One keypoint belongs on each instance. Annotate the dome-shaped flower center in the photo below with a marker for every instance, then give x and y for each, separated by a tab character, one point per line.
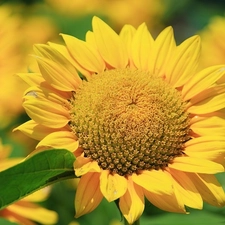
128	120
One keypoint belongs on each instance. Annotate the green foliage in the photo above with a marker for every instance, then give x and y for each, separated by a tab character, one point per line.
34	173
198	217
6	222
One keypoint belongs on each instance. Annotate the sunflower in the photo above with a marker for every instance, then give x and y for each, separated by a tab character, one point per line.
139	118
22	211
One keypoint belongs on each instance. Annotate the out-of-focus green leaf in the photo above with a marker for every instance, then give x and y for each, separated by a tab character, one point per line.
6	222
34	173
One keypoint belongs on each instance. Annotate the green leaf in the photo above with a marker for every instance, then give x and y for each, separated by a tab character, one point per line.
34	173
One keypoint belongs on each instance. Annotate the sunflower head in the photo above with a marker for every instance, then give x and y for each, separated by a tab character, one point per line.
140	125
139	118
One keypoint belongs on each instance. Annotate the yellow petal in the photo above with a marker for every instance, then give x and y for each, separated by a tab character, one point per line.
162	51
126	35
32	79
90	39
184	62
55	75
206	94
60	139
187	189
35	130
87	56
37	84
209	105
141	47
9	162
201	81
209	188
53	52
46	113
42	94
196	165
132	202
112	186
206	147
41	215
165	202
38	196
66	54
84	165
205	126
53	66
81	161
109	44
88	194
155	181
212	142
127	32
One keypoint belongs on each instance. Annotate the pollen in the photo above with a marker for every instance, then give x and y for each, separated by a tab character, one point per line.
129	120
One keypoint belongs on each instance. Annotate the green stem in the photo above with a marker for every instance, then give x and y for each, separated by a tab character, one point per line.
137	222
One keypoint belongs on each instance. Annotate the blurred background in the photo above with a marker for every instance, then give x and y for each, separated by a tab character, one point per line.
26	22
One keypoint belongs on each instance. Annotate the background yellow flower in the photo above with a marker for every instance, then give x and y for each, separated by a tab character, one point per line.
213	47
18	34
118	12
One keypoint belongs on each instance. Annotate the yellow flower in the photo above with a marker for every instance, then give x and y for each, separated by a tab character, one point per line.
17	37
10	58
26	210
141	121
133	12
213	35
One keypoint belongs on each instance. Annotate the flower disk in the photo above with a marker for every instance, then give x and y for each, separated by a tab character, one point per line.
129	120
